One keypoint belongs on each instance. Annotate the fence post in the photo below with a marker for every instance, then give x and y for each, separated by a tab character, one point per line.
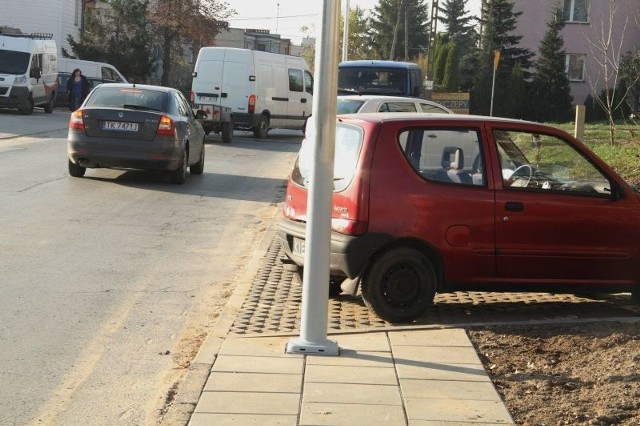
579	128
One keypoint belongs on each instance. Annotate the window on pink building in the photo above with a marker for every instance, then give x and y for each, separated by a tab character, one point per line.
575	66
576	10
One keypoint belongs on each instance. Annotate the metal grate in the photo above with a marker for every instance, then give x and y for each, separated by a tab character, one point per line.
273	305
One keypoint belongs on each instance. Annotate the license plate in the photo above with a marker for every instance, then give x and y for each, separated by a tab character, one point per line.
298	246
120	125
207	98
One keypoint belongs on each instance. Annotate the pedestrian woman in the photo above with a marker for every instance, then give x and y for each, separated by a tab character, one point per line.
77	89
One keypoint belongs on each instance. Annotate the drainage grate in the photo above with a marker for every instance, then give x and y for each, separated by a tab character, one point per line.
274	300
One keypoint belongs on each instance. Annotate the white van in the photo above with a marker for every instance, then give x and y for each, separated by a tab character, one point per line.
91	69
96	73
251	89
28	71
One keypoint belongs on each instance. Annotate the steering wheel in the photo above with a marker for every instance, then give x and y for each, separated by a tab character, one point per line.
521	176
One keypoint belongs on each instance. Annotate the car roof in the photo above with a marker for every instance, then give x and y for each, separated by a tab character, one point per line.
377	63
387	98
139	86
454	118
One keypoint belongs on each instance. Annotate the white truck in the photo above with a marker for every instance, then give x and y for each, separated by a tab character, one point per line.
28	71
251	90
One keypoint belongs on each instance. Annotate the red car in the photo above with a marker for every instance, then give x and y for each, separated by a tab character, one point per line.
429	203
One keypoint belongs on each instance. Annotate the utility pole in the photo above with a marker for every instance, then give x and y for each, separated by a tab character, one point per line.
433	29
345	34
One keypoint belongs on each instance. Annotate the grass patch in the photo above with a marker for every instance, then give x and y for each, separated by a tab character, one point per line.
623	156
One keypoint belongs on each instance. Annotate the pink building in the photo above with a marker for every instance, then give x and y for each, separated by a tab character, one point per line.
588	23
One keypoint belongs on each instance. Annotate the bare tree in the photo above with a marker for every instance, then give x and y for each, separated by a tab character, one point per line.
606	42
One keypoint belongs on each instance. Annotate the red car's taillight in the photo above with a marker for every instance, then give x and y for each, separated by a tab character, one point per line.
252	104
166	127
75	121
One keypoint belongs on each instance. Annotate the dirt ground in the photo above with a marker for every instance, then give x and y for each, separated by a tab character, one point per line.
578	374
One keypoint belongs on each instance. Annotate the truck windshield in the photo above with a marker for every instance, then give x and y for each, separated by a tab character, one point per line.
375	81
12	62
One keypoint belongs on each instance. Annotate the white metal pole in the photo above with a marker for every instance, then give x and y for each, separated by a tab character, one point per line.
345	34
315	280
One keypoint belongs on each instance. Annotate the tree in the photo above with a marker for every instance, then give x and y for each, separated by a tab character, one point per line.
460	29
605	43
408	20
499	23
182	27
118	35
359	44
630	75
550	82
451	79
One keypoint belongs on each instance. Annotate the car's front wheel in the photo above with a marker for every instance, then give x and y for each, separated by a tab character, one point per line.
76	170
179	175
399	285
27	109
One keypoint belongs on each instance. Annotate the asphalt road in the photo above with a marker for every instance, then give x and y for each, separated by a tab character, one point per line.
109	283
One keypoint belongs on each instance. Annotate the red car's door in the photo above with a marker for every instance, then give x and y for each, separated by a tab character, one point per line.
556	216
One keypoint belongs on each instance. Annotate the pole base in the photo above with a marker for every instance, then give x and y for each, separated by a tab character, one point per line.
300	346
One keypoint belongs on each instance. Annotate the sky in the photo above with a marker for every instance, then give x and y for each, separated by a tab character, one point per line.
287	17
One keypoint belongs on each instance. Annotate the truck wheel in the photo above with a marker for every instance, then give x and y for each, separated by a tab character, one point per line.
399	285
227	131
262	128
28	108
48	107
76	170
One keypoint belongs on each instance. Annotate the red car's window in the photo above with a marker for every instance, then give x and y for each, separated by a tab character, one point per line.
445	155
536	162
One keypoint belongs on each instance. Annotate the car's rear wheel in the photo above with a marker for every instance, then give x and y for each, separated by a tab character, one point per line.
399	285
48	107
227	131
76	170
261	129
198	168
179	175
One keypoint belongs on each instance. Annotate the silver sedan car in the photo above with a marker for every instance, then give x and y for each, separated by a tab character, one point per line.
140	127
351	104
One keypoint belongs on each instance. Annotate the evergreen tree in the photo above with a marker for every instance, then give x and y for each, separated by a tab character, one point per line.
460	30
119	36
359	44
459	25
388	19
551	90
442	49
451	81
499	23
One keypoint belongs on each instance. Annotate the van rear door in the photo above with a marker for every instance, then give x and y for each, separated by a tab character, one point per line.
237	77
207	85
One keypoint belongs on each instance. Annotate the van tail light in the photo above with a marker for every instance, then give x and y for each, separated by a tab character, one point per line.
348	227
252	104
193	96
166	127
76	122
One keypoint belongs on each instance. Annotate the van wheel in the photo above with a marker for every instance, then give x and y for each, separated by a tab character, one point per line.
76	170
227	131
262	128
48	107
399	285
28	108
